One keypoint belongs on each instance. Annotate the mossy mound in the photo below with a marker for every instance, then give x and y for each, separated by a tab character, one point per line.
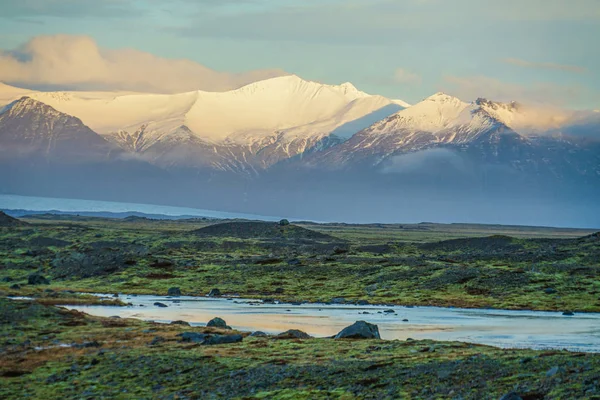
262	230
8	221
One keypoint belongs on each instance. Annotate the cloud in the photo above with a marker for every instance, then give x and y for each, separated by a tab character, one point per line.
472	87
426	162
404	76
76	62
545	65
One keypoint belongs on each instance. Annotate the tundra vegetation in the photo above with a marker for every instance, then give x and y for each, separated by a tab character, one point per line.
49	352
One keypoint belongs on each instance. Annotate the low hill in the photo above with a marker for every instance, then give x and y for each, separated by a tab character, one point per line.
8	221
262	230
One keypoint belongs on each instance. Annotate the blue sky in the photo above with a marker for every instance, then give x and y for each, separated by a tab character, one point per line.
528	50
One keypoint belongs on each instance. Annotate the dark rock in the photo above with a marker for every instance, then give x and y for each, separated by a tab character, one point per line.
174	291
293	334
115	295
15	287
339	250
511	396
159	304
184	323
338	300
389	311
223	339
359	330
218	323
568	313
363	303
258	334
157	340
214	293
269	300
279	290
37	279
404	320
284	222
194	337
554	371
549	291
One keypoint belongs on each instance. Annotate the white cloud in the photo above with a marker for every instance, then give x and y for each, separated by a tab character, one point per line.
77	62
407	77
472	87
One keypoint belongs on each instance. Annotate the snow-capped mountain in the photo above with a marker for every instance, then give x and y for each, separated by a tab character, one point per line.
485	132
247	129
31	129
290	121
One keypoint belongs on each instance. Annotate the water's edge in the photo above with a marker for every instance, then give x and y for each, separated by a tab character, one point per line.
500	328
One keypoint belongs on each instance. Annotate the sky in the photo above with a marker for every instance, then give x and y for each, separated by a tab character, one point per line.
541	51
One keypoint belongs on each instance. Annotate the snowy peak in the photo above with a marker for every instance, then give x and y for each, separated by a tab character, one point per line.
430	115
25	106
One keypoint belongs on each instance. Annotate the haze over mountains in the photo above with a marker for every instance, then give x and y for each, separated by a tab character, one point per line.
321	151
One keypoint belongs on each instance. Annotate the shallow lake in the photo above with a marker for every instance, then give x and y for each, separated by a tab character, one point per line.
501	328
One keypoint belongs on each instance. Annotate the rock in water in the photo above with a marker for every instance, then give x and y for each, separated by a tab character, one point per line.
218	323
359	330
258	334
214	293
174	291
37	279
158	304
293	334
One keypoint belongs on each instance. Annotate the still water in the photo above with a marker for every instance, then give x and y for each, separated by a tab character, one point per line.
501	328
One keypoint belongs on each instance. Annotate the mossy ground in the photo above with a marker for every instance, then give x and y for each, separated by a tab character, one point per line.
121	358
391	264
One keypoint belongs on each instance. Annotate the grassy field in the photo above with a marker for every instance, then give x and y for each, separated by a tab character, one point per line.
48	352
422	264
51	353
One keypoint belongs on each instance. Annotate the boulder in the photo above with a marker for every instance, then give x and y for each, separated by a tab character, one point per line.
359	330
390	311
15	287
284	222
159	304
258	334
549	290
214	293
362	303
338	300
223	339
174	291
37	279
184	323
218	323
568	313
293	334
193	337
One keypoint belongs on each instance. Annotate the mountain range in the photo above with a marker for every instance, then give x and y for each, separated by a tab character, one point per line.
271	133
